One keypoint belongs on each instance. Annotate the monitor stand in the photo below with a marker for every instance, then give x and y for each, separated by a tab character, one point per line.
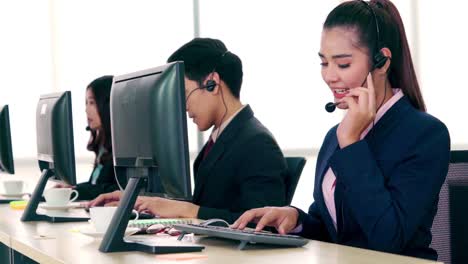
113	239
30	213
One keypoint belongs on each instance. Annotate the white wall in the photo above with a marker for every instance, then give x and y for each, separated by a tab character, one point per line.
25	67
95	38
443	66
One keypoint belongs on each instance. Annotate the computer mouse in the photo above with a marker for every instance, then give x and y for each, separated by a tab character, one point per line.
144	215
173	232
156	228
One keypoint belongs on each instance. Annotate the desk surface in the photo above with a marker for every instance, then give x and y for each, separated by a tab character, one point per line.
61	245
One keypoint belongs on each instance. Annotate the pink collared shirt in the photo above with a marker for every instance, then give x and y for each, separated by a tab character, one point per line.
328	184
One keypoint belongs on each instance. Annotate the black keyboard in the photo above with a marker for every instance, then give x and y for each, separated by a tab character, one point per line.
244	236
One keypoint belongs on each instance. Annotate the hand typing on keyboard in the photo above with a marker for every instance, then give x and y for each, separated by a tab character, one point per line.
284	219
244	236
221	224
167	208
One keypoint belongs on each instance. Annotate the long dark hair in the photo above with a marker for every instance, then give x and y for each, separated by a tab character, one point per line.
357	16
101	88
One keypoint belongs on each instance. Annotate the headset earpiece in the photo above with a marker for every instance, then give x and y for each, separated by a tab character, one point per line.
379	60
210	85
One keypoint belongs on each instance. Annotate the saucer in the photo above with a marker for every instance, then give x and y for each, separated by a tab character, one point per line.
60	207
12	195
91	231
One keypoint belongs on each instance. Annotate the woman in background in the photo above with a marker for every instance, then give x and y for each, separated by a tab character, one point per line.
102	179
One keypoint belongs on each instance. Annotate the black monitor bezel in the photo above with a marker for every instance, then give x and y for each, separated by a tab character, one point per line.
6	151
62	160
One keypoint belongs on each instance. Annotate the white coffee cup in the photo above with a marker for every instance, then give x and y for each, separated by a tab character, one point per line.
101	217
13	187
59	196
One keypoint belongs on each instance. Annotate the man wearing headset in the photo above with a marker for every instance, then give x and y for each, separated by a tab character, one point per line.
241	166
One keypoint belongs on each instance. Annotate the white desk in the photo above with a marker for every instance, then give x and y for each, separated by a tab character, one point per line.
61	245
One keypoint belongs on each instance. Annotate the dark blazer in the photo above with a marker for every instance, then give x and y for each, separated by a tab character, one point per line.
387	184
245	169
105	183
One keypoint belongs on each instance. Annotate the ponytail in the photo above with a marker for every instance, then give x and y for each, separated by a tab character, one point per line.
402	73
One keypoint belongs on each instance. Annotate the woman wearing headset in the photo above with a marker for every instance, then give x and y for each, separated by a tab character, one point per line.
380	170
102	179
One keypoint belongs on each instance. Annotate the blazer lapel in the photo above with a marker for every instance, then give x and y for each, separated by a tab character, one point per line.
389	120
203	167
382	127
324	166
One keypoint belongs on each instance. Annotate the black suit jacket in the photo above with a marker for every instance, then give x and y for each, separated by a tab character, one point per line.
245	169
105	183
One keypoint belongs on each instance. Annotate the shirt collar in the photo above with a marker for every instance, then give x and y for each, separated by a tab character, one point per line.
397	95
217	132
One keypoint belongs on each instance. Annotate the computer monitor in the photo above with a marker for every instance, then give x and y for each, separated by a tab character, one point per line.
149	129
55	150
6	151
54	133
150	144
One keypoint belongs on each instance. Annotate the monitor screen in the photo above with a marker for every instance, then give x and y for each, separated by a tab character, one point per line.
6	152
149	128
55	146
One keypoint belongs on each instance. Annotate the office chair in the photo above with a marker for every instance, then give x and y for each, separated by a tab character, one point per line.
295	167
446	237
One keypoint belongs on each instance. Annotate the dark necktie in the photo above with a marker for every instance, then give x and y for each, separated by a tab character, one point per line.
208	147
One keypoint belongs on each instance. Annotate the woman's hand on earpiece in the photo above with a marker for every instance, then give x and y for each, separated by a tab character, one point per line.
361	113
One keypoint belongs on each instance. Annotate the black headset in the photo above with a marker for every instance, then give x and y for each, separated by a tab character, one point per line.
379	59
211	84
